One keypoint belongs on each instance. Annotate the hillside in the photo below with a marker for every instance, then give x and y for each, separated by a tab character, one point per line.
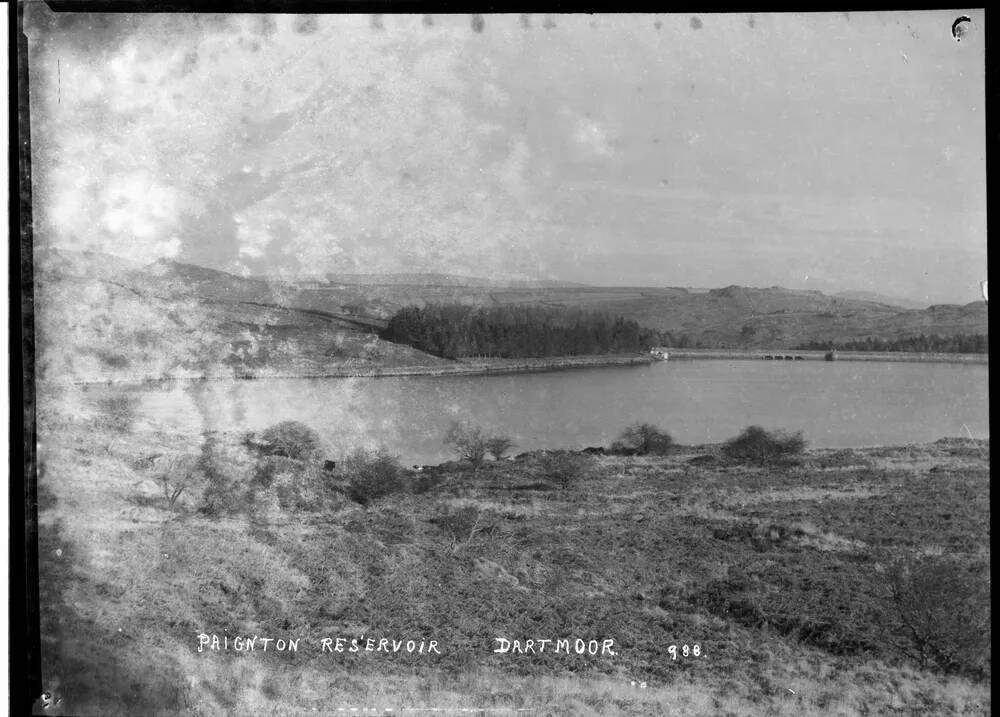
783	318
881	299
442	280
102	316
733	317
98	318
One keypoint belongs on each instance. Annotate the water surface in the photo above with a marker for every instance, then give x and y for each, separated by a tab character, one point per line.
838	404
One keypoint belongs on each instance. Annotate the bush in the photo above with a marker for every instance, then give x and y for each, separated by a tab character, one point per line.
642	439
468	441
174	474
620	448
270	468
563	468
498	446
242	473
372	475
295	484
945	612
228	468
290	439
755	445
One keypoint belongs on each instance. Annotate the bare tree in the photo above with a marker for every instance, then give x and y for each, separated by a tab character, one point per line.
372	475
468	441
644	438
944	609
758	446
173	474
564	469
498	446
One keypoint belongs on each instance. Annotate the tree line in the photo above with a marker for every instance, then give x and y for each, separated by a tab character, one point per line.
959	344
516	331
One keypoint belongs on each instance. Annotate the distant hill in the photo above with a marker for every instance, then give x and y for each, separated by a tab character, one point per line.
782	318
881	299
423	279
426	279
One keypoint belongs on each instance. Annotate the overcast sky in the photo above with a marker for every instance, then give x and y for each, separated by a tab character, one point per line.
826	151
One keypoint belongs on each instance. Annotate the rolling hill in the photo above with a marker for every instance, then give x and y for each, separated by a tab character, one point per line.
881	299
108	314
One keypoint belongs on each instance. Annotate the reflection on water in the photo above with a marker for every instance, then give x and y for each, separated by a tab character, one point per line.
835	404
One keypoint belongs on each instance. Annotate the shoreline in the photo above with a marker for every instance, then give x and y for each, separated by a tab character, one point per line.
713	450
499	367
792	354
492	367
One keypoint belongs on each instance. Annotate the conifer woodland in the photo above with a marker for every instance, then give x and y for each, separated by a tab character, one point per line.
516	331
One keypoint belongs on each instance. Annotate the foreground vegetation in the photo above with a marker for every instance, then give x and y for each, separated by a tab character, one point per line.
804	580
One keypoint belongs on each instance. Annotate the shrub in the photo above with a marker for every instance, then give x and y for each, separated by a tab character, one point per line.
468	441
643	439
228	468
755	445
498	446
174	474
945	612
270	468
293	483
372	475
290	439
620	448
287	484
564	468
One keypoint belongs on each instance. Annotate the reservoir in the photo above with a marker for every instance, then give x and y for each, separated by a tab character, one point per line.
835	404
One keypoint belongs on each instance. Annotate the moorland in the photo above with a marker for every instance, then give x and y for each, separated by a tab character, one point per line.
822	582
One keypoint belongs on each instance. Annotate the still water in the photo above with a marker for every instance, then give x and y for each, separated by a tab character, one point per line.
836	404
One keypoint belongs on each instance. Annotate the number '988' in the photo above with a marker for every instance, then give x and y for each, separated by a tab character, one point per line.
684	651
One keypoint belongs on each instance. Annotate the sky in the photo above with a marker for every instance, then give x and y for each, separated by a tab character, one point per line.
827	151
